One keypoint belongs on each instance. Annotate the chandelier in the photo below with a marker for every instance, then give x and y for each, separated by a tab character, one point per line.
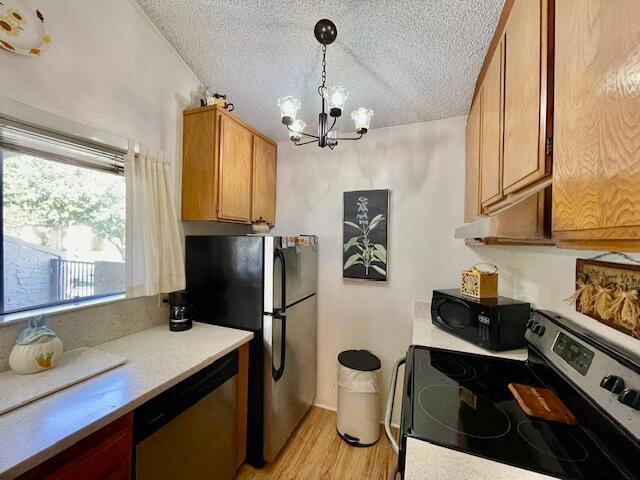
333	99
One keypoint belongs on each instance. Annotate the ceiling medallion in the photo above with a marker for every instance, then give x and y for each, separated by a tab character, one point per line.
333	98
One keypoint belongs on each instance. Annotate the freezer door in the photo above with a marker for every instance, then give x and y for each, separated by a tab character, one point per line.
301	264
290	374
225	280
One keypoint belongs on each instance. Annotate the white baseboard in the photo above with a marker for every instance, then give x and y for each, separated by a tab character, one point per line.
324	407
333	409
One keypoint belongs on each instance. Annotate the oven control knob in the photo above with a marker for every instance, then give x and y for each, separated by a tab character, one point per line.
538	329
612	383
631	398
530	324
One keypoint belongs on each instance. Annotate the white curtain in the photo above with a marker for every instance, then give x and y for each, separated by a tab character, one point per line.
154	259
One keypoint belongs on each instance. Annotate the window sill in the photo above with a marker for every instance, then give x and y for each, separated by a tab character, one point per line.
56	309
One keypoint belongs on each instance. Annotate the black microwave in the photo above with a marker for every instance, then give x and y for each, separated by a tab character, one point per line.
493	323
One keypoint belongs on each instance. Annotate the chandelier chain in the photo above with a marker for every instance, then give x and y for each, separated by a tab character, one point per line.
324	65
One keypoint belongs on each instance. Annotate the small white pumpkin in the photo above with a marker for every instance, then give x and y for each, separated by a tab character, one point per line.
37	348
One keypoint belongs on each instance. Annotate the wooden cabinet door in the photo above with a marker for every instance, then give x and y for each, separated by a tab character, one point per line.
105	454
596	179
472	161
491	135
264	181
523	161
199	194
234	170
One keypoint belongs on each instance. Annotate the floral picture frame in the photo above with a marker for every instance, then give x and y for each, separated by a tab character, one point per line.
365	235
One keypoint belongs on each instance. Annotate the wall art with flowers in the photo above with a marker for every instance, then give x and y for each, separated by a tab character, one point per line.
365	229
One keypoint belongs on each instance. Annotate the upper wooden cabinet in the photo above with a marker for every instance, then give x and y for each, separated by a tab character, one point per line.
515	85
472	162
234	170
228	169
526	159
570	100
596	178
264	181
491	136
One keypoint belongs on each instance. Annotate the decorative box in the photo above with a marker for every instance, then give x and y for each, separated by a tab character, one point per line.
479	283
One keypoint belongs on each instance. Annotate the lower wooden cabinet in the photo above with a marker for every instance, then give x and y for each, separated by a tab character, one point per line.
103	455
596	177
228	169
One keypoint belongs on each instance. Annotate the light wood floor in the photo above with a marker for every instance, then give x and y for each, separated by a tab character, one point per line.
315	452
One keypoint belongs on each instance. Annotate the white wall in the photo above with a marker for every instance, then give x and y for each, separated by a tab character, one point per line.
545	276
423	165
109	68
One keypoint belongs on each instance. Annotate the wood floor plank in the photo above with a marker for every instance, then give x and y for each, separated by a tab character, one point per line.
315	452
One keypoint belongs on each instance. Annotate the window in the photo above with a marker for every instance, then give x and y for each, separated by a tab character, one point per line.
63	220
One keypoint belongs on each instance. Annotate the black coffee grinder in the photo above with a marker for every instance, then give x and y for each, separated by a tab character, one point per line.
179	312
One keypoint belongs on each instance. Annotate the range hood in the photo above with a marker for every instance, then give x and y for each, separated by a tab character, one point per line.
525	220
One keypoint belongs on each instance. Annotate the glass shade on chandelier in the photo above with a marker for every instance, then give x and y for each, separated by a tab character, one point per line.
336	98
332	137
333	100
362	119
289	107
296	128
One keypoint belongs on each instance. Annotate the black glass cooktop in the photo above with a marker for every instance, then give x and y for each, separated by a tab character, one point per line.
462	401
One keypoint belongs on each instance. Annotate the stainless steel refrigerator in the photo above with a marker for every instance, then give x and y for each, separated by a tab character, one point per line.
266	285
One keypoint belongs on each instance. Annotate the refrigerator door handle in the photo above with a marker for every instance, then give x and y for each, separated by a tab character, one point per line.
281	314
277	373
283	280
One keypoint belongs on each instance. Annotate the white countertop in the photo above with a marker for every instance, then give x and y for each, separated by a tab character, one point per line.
157	359
426	333
426	461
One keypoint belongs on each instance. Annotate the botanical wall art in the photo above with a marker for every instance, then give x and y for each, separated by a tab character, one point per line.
366	218
22	28
609	292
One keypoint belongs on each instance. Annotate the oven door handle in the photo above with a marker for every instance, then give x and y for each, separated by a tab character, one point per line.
390	398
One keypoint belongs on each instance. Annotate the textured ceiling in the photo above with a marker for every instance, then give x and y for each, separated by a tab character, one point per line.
410	61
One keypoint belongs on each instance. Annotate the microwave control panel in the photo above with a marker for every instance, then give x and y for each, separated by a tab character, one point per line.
484	330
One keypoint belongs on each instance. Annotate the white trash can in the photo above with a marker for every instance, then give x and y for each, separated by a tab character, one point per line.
358	419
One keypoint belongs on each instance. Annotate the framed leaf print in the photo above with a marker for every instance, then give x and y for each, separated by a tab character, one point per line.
365	229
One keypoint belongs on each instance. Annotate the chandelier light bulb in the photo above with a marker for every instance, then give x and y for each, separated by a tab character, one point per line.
362	119
336	98
298	127
289	107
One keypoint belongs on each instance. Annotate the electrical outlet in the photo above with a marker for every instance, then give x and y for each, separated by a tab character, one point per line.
421	309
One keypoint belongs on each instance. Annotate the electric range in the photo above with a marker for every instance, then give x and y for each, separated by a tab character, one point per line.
462	401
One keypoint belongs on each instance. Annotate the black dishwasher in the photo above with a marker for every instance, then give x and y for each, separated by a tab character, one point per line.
189	431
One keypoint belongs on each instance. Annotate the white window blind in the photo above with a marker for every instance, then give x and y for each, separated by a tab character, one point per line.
58	147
